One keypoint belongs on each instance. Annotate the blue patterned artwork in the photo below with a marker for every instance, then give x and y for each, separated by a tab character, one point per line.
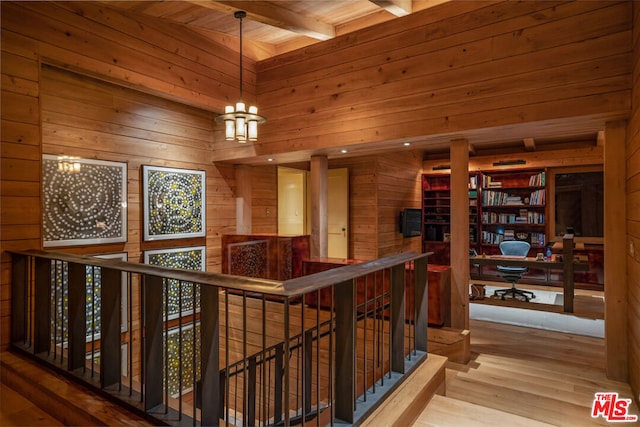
84	201
179	294
174	203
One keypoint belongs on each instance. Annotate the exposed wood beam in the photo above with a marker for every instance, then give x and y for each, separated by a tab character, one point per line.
271	14
529	144
600	141
472	150
395	7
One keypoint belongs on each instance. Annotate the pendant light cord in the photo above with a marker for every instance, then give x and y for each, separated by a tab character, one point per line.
240	14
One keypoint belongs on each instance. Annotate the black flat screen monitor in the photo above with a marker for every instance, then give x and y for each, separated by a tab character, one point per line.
411	222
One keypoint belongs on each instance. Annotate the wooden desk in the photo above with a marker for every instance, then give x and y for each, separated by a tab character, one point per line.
529	262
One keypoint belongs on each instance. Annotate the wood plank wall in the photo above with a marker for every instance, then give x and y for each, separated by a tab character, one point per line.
633	214
399	186
158	59
264	196
490	64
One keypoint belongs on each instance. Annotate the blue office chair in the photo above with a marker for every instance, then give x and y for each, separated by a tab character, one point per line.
513	274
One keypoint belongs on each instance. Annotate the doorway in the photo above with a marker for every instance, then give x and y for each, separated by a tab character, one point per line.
294	207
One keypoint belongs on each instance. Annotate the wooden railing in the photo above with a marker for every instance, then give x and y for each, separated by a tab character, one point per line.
195	348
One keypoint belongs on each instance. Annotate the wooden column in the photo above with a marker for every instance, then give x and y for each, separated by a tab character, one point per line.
615	258
460	234
319	195
243	199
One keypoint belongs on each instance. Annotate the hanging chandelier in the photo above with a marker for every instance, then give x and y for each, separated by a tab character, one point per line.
240	123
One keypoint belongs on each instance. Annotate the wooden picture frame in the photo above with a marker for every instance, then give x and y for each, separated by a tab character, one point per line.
173	203
84	201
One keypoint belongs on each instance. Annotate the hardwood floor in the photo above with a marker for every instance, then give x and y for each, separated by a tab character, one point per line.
524	376
16	410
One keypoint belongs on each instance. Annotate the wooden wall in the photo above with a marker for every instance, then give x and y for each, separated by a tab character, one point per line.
399	186
157	59
456	67
633	214
264	192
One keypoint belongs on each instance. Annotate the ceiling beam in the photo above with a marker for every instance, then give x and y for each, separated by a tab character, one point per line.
529	144
472	149
271	14
395	7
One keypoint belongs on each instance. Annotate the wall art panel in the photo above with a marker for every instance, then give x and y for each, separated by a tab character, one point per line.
176	293
85	201
174	203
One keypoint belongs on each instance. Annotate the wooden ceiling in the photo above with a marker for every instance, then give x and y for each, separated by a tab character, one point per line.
277	26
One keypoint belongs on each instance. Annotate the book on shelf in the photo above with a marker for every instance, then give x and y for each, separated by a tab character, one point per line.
537	180
537	239
473	182
537	197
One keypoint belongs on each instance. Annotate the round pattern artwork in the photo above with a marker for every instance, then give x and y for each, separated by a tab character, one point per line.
175	203
86	204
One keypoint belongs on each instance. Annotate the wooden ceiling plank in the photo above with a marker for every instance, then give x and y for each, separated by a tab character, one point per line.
276	16
529	144
395	7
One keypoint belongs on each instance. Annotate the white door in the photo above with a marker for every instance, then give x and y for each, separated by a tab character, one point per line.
338	213
292	217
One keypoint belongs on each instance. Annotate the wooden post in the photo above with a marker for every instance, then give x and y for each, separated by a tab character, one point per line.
42	306
567	272
420	313
153	345
460	234
212	397
77	329
319	240
615	257
244	203
111	297
345	336
397	326
19	297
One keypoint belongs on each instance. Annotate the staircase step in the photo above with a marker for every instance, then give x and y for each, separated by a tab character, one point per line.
66	401
406	403
444	411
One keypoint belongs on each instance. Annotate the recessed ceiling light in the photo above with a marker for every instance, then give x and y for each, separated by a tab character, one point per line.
406	144
269	160
343	151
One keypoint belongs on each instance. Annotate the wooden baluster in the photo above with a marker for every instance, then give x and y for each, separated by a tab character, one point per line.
212	384
420	314
77	329
110	302
153	348
397	325
345	318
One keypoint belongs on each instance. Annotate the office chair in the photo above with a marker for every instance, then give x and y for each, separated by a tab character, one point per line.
513	274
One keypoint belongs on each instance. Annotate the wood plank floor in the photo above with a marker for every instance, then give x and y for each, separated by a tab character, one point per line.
524	376
17	410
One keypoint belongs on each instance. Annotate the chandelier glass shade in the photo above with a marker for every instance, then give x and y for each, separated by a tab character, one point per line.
240	123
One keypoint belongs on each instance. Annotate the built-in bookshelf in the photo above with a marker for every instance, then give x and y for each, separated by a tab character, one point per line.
513	208
436	215
503	205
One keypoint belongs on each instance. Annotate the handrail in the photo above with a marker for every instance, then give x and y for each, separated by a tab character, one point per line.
257	347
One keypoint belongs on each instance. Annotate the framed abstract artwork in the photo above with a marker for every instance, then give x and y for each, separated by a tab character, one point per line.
179	297
174	203
84	201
